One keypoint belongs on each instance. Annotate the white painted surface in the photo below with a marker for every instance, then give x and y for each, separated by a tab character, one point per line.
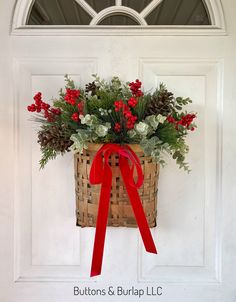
196	225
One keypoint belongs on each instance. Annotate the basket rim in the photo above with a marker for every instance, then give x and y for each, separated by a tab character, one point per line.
96	147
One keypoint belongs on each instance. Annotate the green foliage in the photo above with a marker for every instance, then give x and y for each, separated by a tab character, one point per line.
167	133
93	117
140	109
69	82
67	111
181	102
106	95
47	154
179	151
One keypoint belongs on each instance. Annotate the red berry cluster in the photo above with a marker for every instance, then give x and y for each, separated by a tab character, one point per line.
135	88
130	119
132	102
39	106
131	122
118	105
71	96
117	127
75	117
185	121
80	107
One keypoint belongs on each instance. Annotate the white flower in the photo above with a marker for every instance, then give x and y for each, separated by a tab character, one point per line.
80	141
131	133
88	119
155	120
85	119
161	118
142	128
104	111
108	125
101	130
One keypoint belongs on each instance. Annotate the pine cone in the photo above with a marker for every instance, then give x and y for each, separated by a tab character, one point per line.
161	102
91	87
54	138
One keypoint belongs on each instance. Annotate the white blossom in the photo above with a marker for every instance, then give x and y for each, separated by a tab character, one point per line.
88	119
131	133
161	118
155	120
142	128
101	130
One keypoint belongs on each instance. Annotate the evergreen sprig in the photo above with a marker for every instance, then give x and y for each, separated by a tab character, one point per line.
47	154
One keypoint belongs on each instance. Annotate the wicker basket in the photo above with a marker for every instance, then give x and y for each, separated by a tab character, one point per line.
120	211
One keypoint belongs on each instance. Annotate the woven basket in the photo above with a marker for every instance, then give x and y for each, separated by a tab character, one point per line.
120	211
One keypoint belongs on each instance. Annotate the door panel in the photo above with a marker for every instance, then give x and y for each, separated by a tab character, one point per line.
48	246
189	251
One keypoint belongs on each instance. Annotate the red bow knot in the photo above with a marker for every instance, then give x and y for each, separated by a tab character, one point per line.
101	173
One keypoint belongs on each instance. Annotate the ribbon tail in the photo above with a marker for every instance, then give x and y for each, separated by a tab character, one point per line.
137	207
101	224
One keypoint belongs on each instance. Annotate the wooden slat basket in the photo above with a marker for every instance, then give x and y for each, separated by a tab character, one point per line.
120	211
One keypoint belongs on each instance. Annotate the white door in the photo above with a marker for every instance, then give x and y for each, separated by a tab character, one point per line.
43	255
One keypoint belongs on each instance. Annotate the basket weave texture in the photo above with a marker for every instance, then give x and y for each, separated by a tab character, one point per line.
120	210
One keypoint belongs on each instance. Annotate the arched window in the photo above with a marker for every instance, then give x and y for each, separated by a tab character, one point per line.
118	12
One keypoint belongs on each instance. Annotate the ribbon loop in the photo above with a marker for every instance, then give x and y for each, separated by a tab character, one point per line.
101	173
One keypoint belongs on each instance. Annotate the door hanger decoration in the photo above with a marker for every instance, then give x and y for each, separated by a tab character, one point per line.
120	136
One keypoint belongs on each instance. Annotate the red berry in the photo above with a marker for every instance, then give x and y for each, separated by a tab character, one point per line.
80	106
33	107
117	127
135	88
118	105
75	117
132	102
38	96
71	96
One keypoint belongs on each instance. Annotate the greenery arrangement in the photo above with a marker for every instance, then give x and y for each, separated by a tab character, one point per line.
114	112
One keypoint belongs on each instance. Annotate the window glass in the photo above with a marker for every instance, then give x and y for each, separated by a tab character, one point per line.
179	12
71	12
99	5
137	5
58	12
118	20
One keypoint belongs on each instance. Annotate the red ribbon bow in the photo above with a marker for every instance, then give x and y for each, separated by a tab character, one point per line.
101	173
